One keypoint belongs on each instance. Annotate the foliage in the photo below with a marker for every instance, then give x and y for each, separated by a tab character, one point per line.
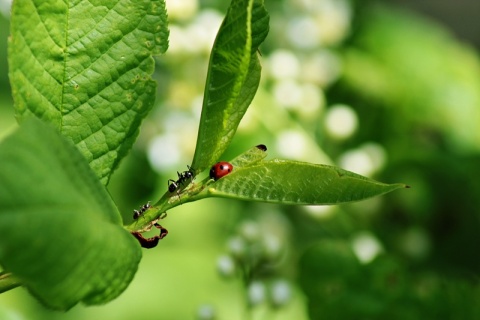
405	255
95	92
94	83
61	251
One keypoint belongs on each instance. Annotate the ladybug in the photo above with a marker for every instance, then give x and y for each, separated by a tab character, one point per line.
220	169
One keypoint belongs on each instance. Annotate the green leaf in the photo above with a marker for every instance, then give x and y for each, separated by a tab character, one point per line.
233	78
291	182
85	67
60	232
190	192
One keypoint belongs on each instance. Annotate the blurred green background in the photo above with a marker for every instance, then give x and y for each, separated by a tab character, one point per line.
366	85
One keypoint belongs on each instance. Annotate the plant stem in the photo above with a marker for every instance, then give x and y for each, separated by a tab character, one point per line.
167	201
8	282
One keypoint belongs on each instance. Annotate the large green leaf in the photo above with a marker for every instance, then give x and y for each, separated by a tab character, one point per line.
292	182
233	78
85	67
60	232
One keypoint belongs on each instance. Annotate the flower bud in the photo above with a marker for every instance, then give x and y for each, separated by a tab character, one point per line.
226	266
281	293
206	312
237	247
256	293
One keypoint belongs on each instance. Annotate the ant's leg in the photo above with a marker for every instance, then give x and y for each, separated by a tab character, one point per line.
180	176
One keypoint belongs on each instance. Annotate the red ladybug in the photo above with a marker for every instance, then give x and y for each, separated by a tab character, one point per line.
220	169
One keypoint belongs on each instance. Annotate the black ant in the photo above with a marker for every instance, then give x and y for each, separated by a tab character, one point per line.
138	213
182	178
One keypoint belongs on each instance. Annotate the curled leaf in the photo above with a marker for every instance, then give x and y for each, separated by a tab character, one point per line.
232	81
